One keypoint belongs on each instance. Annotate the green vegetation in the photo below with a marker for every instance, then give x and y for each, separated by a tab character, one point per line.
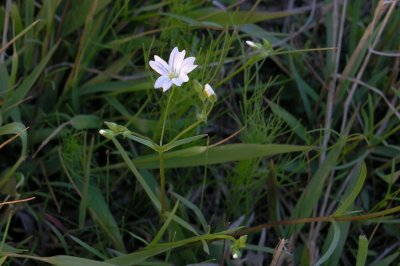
294	161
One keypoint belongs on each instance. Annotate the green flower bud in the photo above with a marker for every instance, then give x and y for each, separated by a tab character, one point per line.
109	134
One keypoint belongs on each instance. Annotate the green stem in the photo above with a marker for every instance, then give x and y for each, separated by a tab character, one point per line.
162	185
191	126
186	130
165	116
162	172
6	230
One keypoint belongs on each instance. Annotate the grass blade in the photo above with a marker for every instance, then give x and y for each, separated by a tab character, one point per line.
354	191
332	247
362	251
200	155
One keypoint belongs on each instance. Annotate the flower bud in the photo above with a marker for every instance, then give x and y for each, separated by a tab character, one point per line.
254	45
197	86
210	93
106	133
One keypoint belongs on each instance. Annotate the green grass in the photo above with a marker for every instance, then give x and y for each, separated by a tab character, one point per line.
301	144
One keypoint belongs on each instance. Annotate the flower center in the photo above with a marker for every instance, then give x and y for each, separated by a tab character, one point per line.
173	75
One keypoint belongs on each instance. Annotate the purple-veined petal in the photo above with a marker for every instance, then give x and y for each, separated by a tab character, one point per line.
161	81
177	81
172	57
158	67
162	62
178	61
187	65
167	85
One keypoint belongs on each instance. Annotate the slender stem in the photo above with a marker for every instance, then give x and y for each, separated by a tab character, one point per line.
204	177
183	132
186	130
161	154
165	116
329	218
6	230
162	185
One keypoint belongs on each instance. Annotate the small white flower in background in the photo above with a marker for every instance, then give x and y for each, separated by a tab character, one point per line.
251	44
175	72
210	93
254	45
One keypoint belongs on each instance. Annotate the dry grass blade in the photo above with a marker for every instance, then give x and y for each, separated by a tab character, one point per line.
13	138
16	201
280	253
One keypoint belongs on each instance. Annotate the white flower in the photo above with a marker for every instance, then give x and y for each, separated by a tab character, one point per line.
175	72
254	45
251	44
210	93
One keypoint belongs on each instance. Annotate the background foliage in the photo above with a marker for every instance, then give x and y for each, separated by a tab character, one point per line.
324	76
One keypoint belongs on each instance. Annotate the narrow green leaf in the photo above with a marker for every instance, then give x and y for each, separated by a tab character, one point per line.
137	174
76	16
2	260
195	156
362	251
332	246
102	215
199	216
88	247
21	91
142	255
10	249
63	260
164	227
194	208
354	191
116	87
225	18
305	91
14	129
387	261
177	143
146	142
311	195
22	33
334	259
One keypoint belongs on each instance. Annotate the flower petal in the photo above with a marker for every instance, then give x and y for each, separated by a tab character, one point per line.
183	77
177	81
172	57
187	65
178	61
162	62
158	66
167	85
162	82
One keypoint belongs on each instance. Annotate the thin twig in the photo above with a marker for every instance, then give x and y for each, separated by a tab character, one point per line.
16	201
